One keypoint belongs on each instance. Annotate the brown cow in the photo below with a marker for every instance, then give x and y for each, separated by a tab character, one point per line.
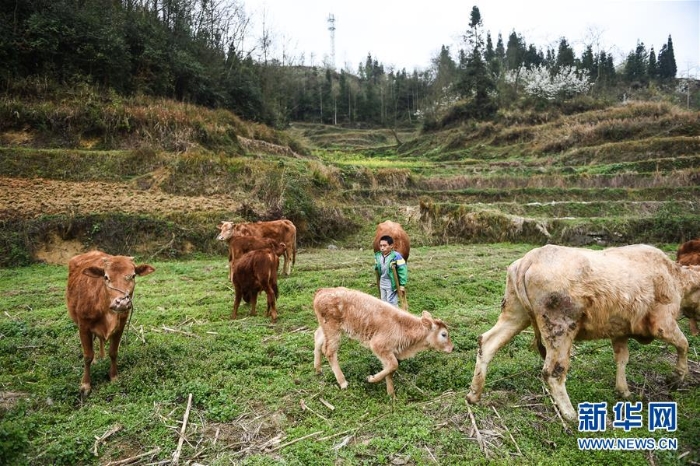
689	254
391	333
401	242
254	272
569	294
99	298
239	245
282	231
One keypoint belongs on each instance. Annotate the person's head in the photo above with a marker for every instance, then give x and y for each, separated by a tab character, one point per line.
386	244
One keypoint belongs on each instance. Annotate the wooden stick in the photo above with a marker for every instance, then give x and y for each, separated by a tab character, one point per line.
174	330
507	430
98	440
279	447
176	455
155	451
327	404
479	439
304	408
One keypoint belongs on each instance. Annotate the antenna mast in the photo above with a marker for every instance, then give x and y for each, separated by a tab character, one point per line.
331	28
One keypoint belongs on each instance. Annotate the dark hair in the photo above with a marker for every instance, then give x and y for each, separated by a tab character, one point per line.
387	238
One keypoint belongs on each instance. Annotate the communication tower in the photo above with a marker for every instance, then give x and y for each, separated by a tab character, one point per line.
331	28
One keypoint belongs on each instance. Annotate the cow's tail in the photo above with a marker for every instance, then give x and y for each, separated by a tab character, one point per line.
294	249
517	275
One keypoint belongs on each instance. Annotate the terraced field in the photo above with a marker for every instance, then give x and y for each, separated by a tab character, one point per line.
622	175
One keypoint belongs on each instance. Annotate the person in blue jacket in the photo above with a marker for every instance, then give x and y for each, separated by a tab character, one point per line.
391	271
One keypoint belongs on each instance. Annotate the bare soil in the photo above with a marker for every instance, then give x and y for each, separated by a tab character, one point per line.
30	198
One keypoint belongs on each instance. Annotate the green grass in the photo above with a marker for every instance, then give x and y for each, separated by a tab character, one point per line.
256	399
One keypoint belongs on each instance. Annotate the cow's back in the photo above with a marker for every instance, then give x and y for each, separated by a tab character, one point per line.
402	243
357	312
626	282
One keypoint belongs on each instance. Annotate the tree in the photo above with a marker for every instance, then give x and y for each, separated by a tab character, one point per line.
565	55
637	64
667	61
652	67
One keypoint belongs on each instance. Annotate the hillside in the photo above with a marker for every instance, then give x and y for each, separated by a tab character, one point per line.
154	177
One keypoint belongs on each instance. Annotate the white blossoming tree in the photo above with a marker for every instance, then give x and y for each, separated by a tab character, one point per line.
540	83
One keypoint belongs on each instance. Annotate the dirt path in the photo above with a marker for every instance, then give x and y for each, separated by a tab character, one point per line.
28	198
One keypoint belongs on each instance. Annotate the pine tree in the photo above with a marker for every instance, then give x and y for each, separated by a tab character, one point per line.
565	55
667	61
515	51
652	67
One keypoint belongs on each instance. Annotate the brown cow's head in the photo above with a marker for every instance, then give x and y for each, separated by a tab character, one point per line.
225	231
119	273
438	338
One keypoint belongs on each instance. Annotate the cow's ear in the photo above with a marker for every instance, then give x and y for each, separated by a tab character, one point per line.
94	272
427	319
144	269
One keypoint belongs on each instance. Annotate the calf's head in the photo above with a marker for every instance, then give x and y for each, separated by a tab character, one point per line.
690	304
225	231
438	336
118	275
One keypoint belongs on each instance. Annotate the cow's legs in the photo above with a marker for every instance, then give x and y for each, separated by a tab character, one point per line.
622	356
671	333
287	266
236	303
113	350
389	366
513	320
253	302
330	349
86	340
556	366
319	340
271	306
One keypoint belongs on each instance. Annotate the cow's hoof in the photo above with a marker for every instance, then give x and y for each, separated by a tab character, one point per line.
473	397
343	385
85	390
675	380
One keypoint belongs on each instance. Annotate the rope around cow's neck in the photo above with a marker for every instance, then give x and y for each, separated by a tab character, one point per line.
128	322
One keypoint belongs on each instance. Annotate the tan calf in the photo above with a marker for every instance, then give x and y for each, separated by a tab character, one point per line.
391	333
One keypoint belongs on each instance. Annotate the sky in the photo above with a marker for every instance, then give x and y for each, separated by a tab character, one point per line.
409	33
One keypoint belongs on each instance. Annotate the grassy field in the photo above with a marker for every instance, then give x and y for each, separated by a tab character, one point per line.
256	400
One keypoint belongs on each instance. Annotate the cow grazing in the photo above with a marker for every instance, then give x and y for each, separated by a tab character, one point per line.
569	294
281	231
254	272
391	333
99	298
401	242
689	254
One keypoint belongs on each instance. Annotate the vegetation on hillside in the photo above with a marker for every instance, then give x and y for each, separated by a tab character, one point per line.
193	51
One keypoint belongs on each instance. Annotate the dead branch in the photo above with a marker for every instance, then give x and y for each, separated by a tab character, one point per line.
181	332
103	437
304	408
279	447
176	455
479	439
327	404
508	430
133	459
